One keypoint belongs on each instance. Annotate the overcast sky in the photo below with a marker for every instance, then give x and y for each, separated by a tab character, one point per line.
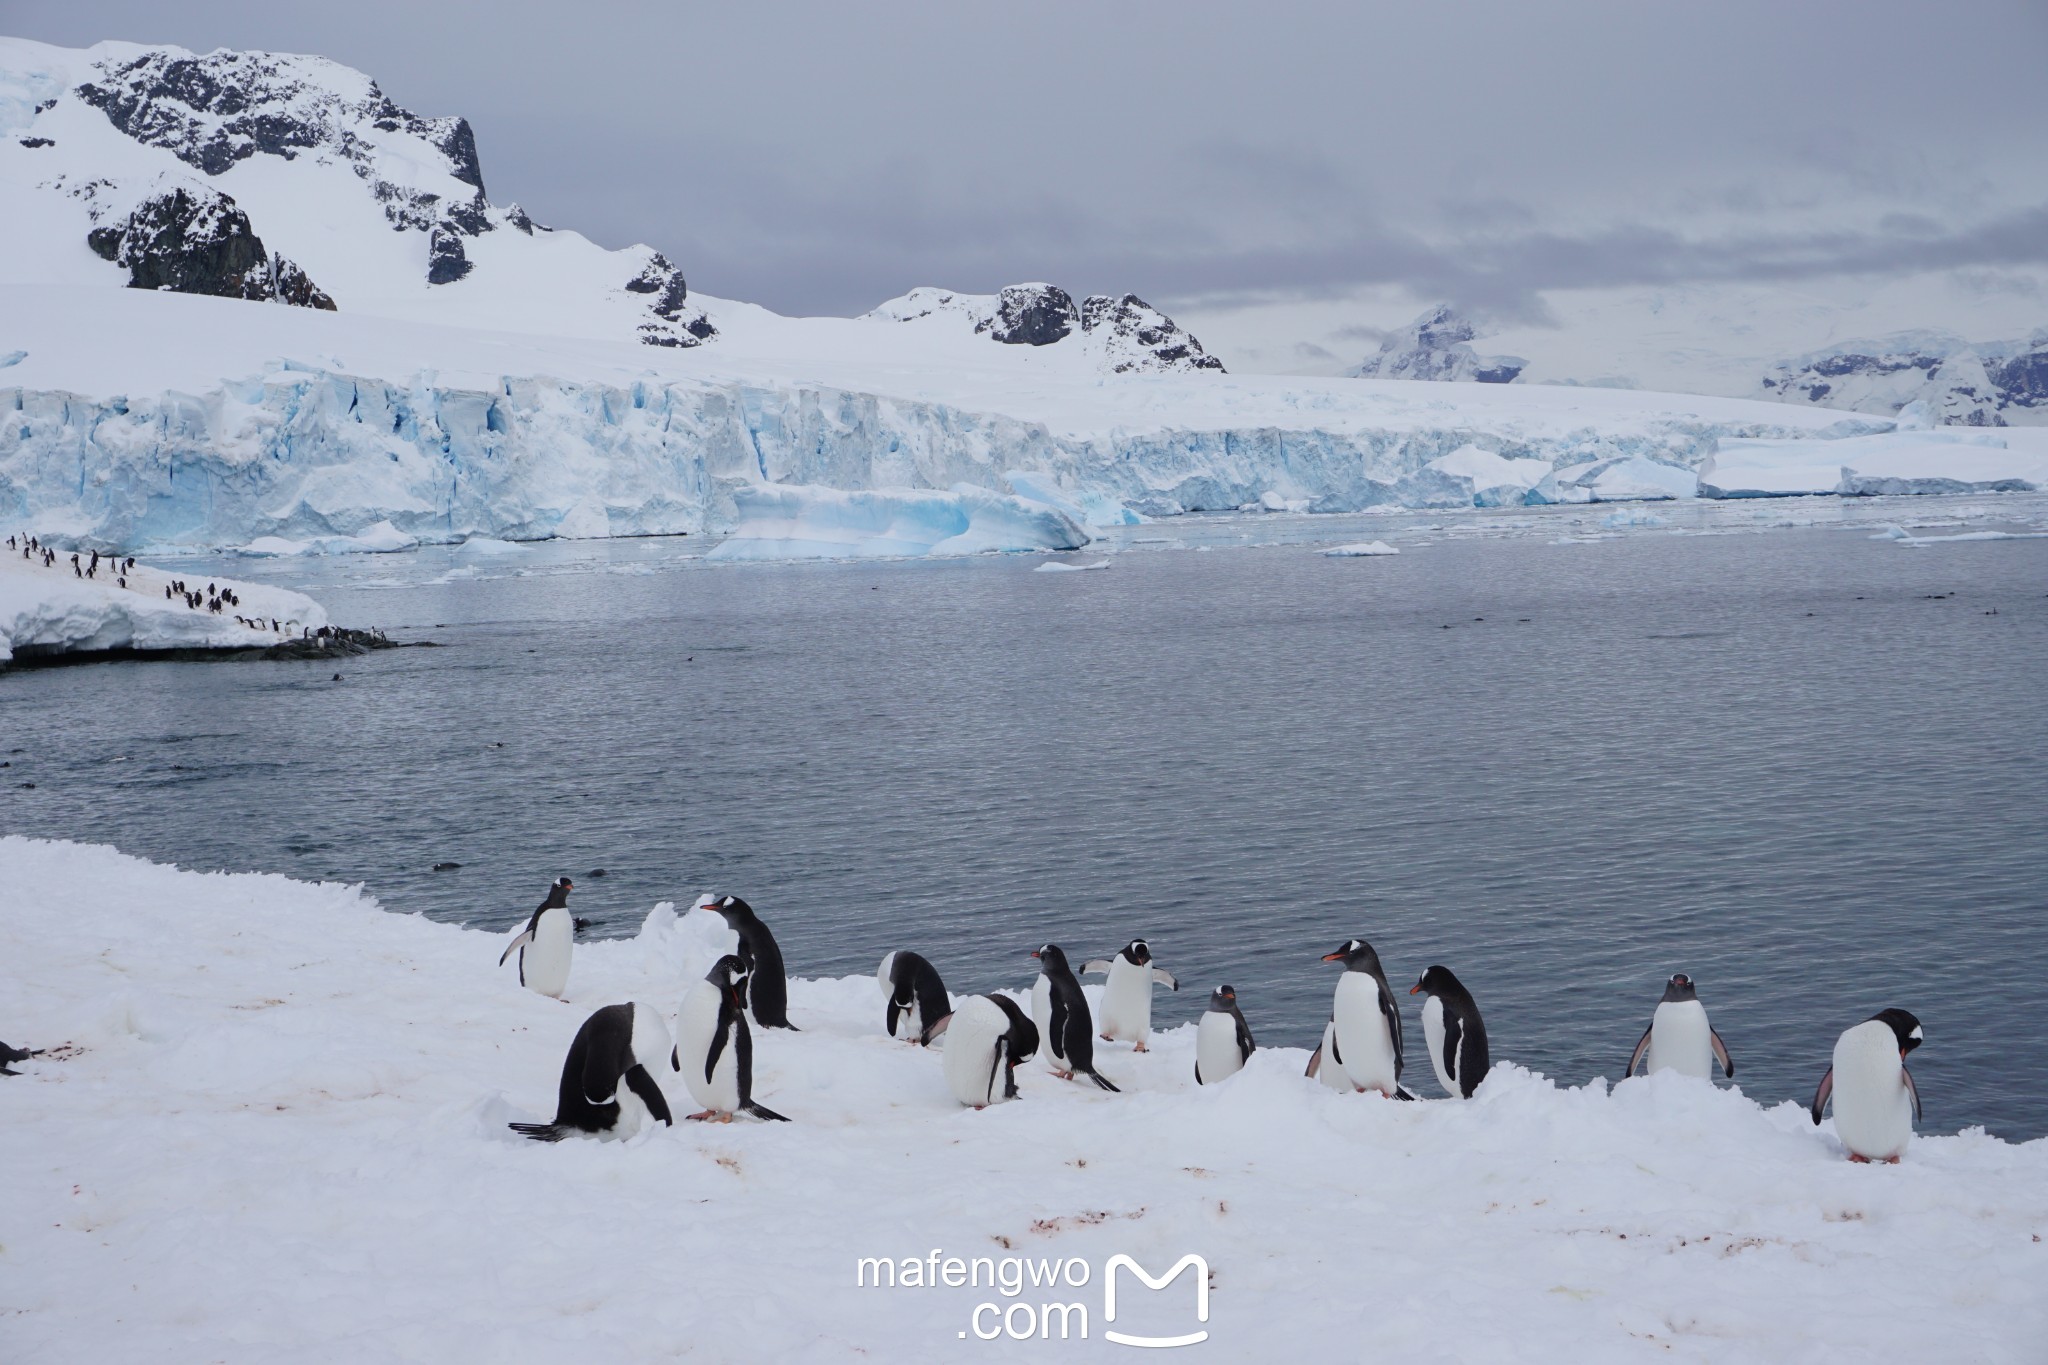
822	156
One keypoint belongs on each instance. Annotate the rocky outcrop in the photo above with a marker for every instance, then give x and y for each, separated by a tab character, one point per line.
1437	346
194	240
1134	337
1961	383
1031	315
675	322
1127	334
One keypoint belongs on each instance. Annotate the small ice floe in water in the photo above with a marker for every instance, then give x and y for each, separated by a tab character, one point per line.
1634	516
1063	567
1360	549
1916	542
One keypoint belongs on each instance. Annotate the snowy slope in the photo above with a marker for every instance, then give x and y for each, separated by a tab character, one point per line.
278	1131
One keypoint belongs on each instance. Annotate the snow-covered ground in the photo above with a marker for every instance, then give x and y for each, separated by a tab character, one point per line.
274	1128
51	609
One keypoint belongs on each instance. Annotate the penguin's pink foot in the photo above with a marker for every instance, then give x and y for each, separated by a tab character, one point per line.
709	1115
1859	1158
1142	1048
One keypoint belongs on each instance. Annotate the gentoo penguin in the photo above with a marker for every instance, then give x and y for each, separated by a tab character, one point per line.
1679	1037
1222	1042
985	1039
1875	1098
1069	1032
1127	998
917	998
767	989
1365	1020
545	946
10	1055
714	1048
615	1044
1454	1033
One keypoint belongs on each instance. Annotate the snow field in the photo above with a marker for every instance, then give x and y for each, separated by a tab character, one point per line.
281	1134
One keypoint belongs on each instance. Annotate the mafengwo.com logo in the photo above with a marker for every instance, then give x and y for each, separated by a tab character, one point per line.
1048	1299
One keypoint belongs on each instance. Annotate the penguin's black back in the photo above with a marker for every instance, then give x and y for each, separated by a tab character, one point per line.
600	1055
767	987
914	981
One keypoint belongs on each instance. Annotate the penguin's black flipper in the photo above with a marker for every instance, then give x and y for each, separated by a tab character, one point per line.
650	1094
1161	974
1914	1091
896	1008
1721	1054
762	1111
519	942
1827	1088
1099	964
1402	1092
1642	1046
1102	1081
1315	1062
540	1132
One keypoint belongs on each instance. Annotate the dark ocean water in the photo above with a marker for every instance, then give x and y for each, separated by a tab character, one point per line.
1778	761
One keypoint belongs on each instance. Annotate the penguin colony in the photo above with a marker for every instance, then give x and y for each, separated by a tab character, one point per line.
213	599
607	1088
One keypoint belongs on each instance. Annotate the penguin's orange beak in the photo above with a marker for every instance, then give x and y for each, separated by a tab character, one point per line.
1333	957
1413	989
1034	953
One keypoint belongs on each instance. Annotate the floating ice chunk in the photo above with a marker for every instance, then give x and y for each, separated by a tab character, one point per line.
1917	541
1060	566
1270	501
797	521
383	538
1633	517
488	545
1360	550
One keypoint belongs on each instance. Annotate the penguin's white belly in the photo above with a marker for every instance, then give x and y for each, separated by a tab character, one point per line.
696	1026
1331	1073
973	1061
1362	1034
544	963
1873	1109
1041	1015
1433	1039
1127	1002
1681	1040
1216	1054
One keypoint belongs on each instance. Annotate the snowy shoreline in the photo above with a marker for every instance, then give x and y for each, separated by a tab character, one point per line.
279	1128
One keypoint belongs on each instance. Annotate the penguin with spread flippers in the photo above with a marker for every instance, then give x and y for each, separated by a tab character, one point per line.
606	1085
1365	1022
1127	996
1223	1042
917	997
1454	1033
985	1039
544	947
1875	1099
714	1047
1069	1031
767	988
1679	1037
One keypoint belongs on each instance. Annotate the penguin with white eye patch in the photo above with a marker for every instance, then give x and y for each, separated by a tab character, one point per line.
1875	1098
1127	997
1455	1034
714	1047
1223	1042
1365	1023
545	946
1679	1037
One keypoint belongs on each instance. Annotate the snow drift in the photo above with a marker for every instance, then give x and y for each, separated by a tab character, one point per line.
274	1126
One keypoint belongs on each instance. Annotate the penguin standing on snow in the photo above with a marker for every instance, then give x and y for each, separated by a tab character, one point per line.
714	1048
1365	1038
767	987
1452	1029
1069	1032
1679	1037
917	998
1127	998
1875	1098
985	1039
545	946
1223	1044
615	1044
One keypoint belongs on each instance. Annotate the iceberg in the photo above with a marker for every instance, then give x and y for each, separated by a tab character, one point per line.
784	521
1911	460
1361	550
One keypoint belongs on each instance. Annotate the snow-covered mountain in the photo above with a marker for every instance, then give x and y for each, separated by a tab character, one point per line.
1124	335
1437	346
1964	383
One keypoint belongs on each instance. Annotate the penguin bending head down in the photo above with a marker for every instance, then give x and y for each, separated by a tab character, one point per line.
1223	1044
985	1039
1679	1037
1127	998
767	989
615	1044
1069	1032
1365	1037
917	998
10	1055
547	943
1452	1029
1875	1098
714	1048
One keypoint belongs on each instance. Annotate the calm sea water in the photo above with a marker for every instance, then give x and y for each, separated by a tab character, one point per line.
1800	764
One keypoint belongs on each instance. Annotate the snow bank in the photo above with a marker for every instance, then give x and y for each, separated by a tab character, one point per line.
53	611
282	1135
779	521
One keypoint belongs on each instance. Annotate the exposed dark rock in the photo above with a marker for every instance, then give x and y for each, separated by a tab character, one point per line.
197	241
290	284
447	262
665	282
1134	336
34	142
1032	315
